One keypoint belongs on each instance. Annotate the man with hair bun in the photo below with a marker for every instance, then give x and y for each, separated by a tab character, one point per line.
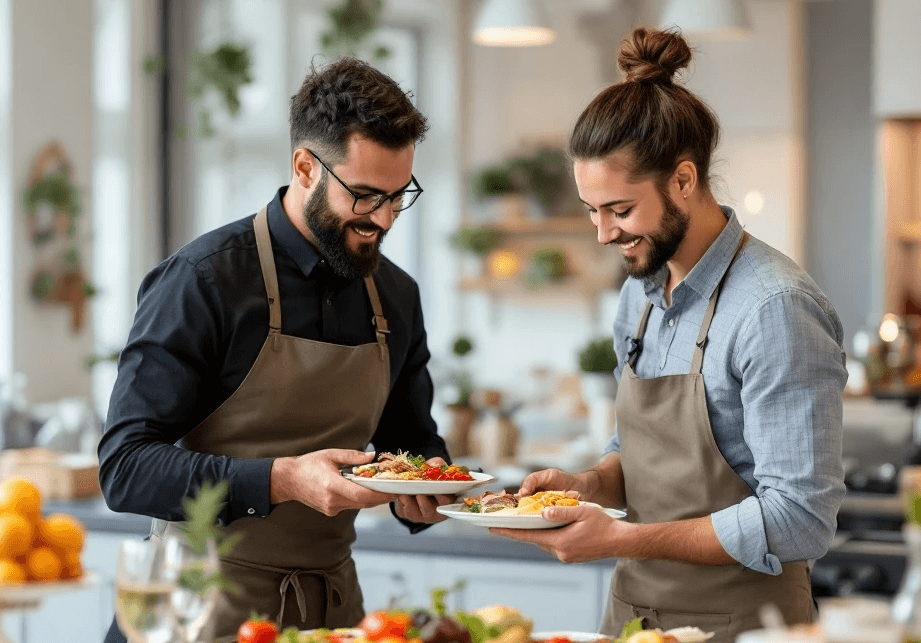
272	351
727	453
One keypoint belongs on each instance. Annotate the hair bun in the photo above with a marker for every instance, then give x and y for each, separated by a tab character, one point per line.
653	56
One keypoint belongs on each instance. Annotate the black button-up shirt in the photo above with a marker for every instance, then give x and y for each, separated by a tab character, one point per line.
202	318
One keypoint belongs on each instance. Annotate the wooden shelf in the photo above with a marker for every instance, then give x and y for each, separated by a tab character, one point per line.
577	284
547	226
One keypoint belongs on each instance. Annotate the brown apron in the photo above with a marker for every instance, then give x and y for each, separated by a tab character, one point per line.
673	470
299	396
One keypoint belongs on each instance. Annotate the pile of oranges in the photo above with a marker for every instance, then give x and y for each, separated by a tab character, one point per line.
32	547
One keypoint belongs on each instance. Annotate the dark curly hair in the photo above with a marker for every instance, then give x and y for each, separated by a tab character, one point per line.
349	96
657	120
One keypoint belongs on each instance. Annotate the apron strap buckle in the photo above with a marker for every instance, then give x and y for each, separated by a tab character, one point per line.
636	345
380	323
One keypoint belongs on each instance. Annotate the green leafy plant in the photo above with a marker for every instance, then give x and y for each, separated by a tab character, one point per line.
56	191
225	69
201	526
544	174
547	265
462	345
598	356
492	181
476	240
352	23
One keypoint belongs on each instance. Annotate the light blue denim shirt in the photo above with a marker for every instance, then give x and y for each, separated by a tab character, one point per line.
774	376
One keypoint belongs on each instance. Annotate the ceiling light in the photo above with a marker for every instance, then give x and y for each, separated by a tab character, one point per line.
512	23
708	19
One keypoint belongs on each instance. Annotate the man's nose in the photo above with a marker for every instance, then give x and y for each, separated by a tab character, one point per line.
608	230
384	215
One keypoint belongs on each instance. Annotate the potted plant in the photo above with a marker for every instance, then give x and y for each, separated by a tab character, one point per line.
498	190
545	175
597	361
547	265
463	413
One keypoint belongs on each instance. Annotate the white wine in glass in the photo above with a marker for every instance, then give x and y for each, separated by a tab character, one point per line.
143	589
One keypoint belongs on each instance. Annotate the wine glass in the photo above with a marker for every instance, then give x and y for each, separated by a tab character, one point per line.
143	588
195	594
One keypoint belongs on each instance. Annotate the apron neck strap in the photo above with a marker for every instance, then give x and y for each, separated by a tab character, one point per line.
267	262
378	321
698	360
636	342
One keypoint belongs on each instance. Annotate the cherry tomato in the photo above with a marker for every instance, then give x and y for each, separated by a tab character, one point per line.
433	474
257	631
381	625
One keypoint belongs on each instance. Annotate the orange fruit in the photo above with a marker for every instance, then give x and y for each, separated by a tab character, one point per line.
19	495
11	571
62	532
44	564
15	535
72	565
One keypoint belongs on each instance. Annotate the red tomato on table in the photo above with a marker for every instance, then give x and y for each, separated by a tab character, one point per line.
257	631
381	625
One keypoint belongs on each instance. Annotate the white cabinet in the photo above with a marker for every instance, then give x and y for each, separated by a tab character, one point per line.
896	58
554	595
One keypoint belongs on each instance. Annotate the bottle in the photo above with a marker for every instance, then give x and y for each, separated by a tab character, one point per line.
906	606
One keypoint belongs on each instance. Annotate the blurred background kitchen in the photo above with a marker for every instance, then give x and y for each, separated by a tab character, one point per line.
128	127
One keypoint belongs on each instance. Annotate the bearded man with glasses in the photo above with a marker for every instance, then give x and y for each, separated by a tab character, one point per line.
272	352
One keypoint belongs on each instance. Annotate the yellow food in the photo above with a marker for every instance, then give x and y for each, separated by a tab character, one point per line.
62	532
535	503
44	564
646	636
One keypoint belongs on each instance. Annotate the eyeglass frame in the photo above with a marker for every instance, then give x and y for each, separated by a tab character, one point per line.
381	198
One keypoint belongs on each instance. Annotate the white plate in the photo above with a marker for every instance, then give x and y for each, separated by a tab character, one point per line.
348	631
421	487
575	637
513	521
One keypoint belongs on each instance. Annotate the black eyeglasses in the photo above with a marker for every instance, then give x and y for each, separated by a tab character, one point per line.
369	202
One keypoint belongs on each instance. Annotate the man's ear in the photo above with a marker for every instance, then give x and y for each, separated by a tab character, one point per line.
685	178
306	168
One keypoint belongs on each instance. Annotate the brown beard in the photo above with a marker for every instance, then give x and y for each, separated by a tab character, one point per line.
329	231
663	242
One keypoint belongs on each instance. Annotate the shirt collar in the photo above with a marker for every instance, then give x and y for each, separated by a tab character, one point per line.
301	251
709	270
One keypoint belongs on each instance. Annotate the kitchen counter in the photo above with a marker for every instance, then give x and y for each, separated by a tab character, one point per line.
377	531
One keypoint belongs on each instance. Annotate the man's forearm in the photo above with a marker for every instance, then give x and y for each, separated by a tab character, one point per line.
690	541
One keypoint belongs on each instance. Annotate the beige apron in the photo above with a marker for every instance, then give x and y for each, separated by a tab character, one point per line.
299	396
673	470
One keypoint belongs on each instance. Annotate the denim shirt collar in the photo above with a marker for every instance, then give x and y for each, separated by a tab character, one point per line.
706	273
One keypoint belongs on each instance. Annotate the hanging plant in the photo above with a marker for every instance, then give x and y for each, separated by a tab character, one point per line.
352	23
52	205
224	69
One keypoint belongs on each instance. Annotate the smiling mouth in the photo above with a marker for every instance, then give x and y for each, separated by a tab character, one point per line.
367	234
629	244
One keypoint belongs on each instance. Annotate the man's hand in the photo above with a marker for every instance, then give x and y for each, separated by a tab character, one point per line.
591	534
314	480
554	480
423	508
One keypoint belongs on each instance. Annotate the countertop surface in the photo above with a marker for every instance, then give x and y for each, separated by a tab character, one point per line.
377	531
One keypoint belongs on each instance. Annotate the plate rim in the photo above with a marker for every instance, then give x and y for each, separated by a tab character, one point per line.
530	522
479	478
544	635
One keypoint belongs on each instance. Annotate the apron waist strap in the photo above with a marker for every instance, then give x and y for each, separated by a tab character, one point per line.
291	579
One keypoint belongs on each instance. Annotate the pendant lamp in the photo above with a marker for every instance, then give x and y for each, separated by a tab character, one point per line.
512	23
718	20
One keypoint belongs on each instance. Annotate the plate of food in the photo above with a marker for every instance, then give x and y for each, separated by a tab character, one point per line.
517	512
338	635
569	637
409	475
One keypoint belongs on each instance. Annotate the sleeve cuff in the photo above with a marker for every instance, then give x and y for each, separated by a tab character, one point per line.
414	527
740	530
250	489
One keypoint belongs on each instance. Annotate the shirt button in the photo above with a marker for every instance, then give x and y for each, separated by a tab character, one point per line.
671	322
329	302
250	511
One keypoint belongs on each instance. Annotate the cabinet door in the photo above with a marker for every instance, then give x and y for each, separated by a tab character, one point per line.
394	580
555	596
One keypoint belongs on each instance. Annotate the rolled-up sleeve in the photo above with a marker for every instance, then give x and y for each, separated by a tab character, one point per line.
791	366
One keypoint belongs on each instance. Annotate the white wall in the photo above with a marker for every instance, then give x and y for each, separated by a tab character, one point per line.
521	94
52	54
897	58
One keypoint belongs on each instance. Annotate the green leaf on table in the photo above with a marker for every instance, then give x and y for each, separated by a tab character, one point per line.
631	627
